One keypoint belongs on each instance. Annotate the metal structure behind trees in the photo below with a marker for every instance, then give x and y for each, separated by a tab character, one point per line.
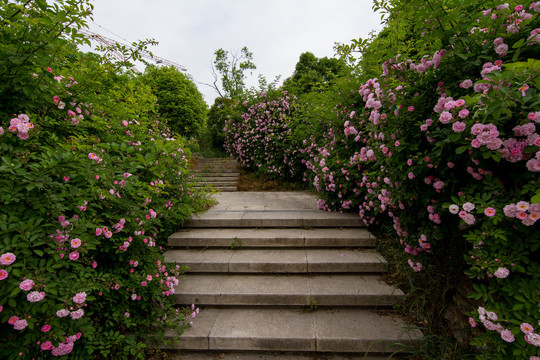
111	46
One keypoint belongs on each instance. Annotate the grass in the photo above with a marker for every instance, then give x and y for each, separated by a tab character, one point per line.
254	181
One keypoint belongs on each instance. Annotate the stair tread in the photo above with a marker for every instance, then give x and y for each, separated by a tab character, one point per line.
272	237
289	290
278	260
335	330
277	218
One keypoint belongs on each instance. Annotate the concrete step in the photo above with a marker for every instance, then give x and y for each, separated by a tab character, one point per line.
219	179
268	355
286	290
358	331
277	219
212	169
272	238
218	183
279	261
220	188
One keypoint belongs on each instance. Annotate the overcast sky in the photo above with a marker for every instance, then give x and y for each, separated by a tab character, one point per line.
275	31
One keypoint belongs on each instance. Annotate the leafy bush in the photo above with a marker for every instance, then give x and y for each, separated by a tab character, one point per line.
91	185
443	146
219	112
180	102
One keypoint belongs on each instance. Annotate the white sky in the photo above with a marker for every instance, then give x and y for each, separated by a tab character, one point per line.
275	31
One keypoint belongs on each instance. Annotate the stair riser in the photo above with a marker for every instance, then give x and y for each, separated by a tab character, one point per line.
283	268
272	223
287	300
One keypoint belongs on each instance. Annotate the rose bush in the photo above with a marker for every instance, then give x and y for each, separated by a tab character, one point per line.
92	183
444	146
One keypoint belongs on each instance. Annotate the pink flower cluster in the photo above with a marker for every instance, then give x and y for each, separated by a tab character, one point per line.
488	319
18	324
527	213
416	267
487	135
464	214
63	348
20	125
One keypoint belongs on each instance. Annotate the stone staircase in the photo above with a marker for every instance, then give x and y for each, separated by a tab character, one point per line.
272	273
220	173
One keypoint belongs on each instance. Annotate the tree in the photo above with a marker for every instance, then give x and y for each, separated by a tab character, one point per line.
311	71
222	109
232	68
180	102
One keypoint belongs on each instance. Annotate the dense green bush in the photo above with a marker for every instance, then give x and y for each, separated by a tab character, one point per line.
219	112
180	102
91	184
443	146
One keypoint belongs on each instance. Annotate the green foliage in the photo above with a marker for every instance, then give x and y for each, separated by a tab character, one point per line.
232	68
311	73
439	143
219	112
180	102
91	185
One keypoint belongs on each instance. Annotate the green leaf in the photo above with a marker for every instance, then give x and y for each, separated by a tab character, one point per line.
461	149
39	252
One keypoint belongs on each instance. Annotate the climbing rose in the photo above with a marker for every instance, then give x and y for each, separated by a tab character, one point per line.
3	274
489	211
75	243
526	328
502	273
79	298
20	324
507	336
7	259
26	285
77	314
46	328
62	313
35	296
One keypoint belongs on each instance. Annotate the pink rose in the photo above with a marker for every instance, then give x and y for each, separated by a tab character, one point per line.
26	285
7	259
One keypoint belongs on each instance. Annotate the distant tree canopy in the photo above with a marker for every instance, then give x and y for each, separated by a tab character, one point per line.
311	72
180	102
232	68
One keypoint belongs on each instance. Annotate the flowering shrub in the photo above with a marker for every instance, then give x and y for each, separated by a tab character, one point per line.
444	147
260	139
91	185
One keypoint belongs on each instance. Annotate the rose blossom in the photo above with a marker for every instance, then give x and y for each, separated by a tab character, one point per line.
62	313
79	298
77	314
454	209
75	243
20	324
489	211
502	273
7	259
35	296
26	285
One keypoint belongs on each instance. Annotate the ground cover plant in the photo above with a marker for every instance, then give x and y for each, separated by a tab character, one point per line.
92	182
439	142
